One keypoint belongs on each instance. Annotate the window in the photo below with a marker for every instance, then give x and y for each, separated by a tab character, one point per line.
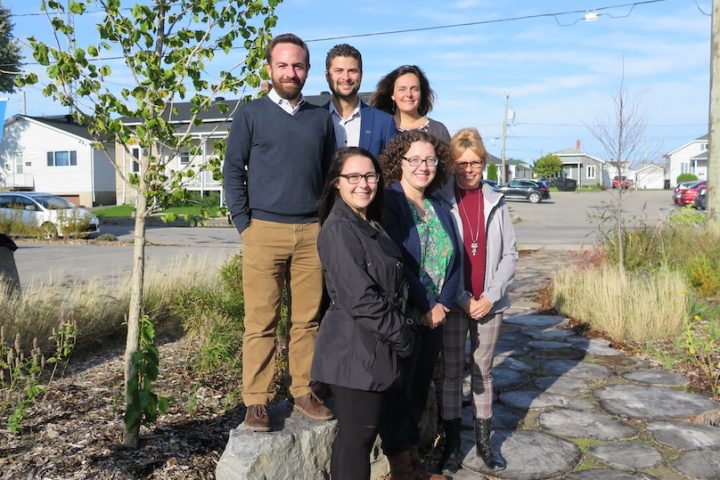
62	159
684	167
590	172
703	146
136	158
184	156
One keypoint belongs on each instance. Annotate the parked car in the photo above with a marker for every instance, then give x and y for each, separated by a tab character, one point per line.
687	195
492	183
622	182
565	184
531	190
681	187
54	215
701	199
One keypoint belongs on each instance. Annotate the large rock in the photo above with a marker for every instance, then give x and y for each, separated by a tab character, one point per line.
298	448
529	455
574	423
653	403
295	448
685	436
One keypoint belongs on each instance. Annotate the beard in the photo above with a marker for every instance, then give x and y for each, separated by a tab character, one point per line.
344	96
287	90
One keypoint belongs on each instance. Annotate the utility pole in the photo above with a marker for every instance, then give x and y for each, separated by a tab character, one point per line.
504	135
713	198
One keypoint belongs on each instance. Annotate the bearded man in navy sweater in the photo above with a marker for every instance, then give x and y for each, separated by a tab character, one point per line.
277	156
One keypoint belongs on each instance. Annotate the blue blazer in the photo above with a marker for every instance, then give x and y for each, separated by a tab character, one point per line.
377	128
399	224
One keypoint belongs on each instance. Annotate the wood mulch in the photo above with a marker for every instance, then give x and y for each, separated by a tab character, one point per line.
76	430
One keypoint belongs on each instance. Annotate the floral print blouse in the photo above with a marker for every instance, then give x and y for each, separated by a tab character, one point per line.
436	248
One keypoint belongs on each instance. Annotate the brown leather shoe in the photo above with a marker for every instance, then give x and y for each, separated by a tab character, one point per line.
419	467
257	418
401	466
314	408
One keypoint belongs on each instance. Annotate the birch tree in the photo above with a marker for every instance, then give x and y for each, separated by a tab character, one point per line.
165	48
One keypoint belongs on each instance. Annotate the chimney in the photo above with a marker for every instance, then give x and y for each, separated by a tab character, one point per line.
578	145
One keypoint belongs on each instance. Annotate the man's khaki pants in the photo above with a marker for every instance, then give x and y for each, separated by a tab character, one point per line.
273	254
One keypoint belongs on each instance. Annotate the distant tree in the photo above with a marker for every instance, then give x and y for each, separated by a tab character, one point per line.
547	165
620	134
9	52
492	172
166	47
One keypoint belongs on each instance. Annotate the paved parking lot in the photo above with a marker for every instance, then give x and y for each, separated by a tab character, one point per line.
563	222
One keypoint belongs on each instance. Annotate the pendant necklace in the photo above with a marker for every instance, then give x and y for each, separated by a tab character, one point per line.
474	238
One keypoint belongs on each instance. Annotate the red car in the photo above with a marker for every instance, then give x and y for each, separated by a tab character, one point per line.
623	183
686	196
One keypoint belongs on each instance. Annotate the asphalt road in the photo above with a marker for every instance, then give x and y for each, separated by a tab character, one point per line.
564	222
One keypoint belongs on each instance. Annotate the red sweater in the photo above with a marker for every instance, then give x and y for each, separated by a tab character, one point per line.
471	207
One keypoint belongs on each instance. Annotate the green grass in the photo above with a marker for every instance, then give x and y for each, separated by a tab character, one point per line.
117	211
126	211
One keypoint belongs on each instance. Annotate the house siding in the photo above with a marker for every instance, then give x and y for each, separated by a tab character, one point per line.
680	160
575	167
23	154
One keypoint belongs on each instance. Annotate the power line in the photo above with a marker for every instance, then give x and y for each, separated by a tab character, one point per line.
436	27
485	22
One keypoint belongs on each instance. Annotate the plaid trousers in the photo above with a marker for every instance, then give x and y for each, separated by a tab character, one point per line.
483	337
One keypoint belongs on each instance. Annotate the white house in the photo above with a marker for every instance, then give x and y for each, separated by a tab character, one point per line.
649	176
54	154
689	158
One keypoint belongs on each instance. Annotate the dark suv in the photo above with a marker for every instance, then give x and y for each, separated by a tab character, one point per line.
532	190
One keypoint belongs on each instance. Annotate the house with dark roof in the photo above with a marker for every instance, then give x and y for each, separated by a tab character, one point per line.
691	157
55	154
213	129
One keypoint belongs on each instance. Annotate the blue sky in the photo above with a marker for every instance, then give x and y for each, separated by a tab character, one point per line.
560	78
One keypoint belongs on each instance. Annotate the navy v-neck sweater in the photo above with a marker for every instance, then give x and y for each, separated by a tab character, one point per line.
276	163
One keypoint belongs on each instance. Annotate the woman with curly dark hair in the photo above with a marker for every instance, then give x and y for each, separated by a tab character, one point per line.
415	165
405	94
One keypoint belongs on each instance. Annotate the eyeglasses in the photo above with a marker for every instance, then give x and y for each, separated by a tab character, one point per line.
354	178
463	165
415	162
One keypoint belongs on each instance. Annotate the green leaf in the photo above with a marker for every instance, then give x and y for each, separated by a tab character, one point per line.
78	8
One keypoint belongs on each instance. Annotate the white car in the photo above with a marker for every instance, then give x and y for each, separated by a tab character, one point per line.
47	214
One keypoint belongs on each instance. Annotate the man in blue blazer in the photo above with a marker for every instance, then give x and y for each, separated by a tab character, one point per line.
356	123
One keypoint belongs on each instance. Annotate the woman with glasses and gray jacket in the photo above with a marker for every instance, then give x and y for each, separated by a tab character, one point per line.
489	258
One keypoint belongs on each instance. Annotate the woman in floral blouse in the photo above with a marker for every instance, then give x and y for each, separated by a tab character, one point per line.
415	165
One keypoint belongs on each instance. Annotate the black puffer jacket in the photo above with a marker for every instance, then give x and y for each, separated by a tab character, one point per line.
365	330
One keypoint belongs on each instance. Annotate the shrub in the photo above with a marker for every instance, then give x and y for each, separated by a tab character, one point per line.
492	172
633	306
686	177
703	274
107	237
687	215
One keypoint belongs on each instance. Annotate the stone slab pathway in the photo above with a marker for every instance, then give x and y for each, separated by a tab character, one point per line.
575	408
566	407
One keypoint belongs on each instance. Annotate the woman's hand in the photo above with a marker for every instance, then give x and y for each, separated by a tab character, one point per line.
435	316
477	309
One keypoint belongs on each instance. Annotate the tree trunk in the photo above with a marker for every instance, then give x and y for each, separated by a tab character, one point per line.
619	228
130	436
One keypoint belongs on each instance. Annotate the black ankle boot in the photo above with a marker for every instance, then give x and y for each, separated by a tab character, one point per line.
451	455
484	448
